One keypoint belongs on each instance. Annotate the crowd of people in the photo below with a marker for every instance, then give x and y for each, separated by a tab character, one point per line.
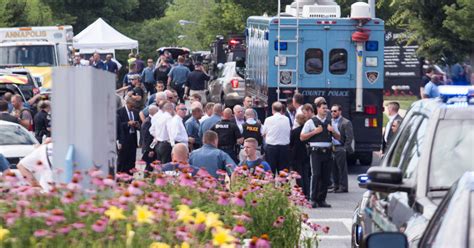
166	104
458	75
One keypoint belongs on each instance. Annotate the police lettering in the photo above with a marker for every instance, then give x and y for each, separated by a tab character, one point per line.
25	34
252	129
222	126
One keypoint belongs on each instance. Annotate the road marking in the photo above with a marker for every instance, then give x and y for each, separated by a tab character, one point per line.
346	221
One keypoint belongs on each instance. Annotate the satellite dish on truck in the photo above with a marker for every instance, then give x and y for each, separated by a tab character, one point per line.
360	11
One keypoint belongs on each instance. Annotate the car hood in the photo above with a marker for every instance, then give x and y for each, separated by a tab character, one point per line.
12	151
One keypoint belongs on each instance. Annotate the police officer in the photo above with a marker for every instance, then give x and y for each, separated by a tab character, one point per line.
319	132
251	129
228	133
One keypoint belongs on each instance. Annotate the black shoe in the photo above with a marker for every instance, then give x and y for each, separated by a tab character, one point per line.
341	190
323	204
314	205
332	189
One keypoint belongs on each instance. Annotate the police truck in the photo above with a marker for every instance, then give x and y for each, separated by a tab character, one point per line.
309	48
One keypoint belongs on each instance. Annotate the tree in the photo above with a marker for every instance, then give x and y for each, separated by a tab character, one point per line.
17	13
425	24
459	19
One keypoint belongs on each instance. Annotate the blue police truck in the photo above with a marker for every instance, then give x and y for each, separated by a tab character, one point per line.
310	49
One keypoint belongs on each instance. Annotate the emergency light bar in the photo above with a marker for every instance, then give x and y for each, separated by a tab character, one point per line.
456	94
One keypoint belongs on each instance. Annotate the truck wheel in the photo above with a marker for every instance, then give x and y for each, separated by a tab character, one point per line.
365	158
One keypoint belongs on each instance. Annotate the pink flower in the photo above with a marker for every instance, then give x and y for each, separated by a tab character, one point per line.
95	173
123	177
161	181
202	173
239	200
223	199
239	228
254	203
78	225
186	180
279	222
41	233
109	182
221	173
68	198
99	226
23	203
262	243
243	218
74	186
186	201
134	190
64	230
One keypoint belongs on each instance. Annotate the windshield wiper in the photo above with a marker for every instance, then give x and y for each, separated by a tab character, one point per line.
439	188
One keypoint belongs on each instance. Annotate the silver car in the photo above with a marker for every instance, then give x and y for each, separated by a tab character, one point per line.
229	87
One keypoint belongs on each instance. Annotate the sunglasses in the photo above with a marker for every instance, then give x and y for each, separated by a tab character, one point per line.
334	111
184	109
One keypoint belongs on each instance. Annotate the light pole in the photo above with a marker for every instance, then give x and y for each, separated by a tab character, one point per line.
185	22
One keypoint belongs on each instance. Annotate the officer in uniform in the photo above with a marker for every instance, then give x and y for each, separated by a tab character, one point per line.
228	133
319	132
251	129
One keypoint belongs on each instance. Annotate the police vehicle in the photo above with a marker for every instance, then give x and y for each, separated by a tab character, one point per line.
431	150
310	49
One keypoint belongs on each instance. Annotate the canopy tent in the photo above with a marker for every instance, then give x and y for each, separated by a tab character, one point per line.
100	35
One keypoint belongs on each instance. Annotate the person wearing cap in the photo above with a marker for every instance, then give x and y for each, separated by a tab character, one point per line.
196	83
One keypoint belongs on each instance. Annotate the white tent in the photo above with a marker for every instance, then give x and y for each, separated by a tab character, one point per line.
100	35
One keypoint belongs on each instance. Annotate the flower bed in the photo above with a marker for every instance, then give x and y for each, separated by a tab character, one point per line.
162	210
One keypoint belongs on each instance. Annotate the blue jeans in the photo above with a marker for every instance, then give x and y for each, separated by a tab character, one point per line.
4	164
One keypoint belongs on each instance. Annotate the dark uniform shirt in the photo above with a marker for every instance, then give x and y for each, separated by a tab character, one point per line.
228	133
253	131
197	80
325	135
161	74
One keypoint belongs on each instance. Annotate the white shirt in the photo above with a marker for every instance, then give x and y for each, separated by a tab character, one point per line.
43	174
299	110
277	130
239	124
154	121
159	130
177	131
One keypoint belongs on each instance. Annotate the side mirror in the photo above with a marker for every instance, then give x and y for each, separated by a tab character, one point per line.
39	81
386	179
386	240
220	66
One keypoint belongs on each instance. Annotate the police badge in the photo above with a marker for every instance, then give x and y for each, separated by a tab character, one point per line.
372	76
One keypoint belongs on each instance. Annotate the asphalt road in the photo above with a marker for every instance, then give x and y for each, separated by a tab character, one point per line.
339	217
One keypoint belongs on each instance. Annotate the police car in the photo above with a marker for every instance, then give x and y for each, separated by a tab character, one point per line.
455	212
432	149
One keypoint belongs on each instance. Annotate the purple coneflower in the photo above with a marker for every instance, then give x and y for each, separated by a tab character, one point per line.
239	200
41	233
99	226
239	228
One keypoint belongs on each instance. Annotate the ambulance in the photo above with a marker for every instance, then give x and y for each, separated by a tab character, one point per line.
37	49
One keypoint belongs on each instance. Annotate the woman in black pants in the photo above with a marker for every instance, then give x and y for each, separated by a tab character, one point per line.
299	156
42	121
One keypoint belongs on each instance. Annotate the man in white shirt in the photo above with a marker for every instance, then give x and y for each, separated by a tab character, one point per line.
239	116
36	167
176	130
159	130
276	131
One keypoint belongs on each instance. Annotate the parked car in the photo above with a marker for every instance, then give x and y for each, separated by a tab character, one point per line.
229	87
452	224
432	149
15	142
24	83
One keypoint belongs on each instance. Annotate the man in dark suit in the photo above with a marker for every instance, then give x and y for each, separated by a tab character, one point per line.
147	139
342	146
128	123
4	115
392	108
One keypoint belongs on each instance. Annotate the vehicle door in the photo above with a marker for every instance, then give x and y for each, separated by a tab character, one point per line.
340	60
312	71
395	209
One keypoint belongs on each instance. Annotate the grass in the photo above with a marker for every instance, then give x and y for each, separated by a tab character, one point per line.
404	101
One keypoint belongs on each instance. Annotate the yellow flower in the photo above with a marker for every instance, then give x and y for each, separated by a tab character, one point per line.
185	245
3	233
185	214
159	245
130	235
143	215
222	237
200	217
115	213
212	220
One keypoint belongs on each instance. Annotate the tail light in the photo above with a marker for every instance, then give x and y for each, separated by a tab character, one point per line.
371	122
370	109
235	83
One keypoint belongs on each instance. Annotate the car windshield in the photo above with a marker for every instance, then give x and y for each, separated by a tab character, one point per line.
28	55
14	135
452	152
